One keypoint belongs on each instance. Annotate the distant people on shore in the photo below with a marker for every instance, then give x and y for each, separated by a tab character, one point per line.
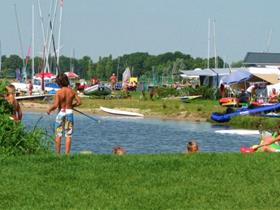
30	87
64	121
152	92
250	90
192	147
222	90
143	90
113	81
118	151
273	96
10	97
95	81
243	97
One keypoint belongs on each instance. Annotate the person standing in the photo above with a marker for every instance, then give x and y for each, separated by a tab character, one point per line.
64	122
30	87
113	80
273	96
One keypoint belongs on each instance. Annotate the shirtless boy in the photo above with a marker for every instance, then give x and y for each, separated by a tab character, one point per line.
63	101
10	97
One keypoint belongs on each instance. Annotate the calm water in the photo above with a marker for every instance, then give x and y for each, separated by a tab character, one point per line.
143	135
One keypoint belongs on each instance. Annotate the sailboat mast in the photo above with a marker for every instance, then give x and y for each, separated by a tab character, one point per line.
20	42
209	34
43	32
51	31
33	43
49	35
59	30
214	37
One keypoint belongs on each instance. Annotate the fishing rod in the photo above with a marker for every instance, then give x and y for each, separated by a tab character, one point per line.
90	117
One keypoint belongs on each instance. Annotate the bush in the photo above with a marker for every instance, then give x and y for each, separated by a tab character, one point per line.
14	139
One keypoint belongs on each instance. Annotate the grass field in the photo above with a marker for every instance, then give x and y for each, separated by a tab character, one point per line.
166	181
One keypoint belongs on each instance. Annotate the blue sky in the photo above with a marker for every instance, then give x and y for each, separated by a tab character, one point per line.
102	27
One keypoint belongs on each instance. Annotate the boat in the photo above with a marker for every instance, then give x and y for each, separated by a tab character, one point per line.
188	98
121	112
239	132
225	117
97	90
34	97
227	100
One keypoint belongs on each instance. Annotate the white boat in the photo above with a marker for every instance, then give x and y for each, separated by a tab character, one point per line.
33	97
97	90
121	112
239	132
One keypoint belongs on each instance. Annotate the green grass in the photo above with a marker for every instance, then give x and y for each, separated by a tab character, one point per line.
166	181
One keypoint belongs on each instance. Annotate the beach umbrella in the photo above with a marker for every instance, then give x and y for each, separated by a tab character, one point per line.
71	75
46	75
236	77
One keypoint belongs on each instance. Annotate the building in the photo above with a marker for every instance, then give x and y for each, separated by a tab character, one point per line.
262	59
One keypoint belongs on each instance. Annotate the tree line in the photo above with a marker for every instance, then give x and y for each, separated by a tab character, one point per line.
141	65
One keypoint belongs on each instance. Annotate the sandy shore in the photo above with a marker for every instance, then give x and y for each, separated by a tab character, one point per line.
40	107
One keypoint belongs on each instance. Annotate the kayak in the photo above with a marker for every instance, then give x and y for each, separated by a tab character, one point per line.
188	98
120	112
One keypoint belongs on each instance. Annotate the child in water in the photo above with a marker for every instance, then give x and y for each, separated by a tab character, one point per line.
192	147
10	97
118	151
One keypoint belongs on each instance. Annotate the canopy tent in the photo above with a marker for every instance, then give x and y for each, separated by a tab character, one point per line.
268	74
209	77
236	77
71	75
206	72
45	75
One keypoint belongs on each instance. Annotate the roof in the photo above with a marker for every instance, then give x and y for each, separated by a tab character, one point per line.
262	58
206	72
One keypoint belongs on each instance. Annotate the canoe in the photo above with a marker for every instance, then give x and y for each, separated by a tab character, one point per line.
98	90
121	112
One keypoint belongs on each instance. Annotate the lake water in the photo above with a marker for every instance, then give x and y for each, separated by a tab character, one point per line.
143	135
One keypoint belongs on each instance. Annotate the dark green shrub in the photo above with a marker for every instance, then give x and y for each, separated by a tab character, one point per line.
14	138
164	92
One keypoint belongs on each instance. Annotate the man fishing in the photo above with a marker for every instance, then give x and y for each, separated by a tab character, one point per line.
64	122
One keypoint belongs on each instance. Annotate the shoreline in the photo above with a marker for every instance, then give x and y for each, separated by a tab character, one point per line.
28	106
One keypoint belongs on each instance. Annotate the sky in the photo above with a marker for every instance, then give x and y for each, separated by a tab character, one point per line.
103	27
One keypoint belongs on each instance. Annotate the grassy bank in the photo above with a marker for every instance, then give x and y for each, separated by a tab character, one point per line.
169	108
176	181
